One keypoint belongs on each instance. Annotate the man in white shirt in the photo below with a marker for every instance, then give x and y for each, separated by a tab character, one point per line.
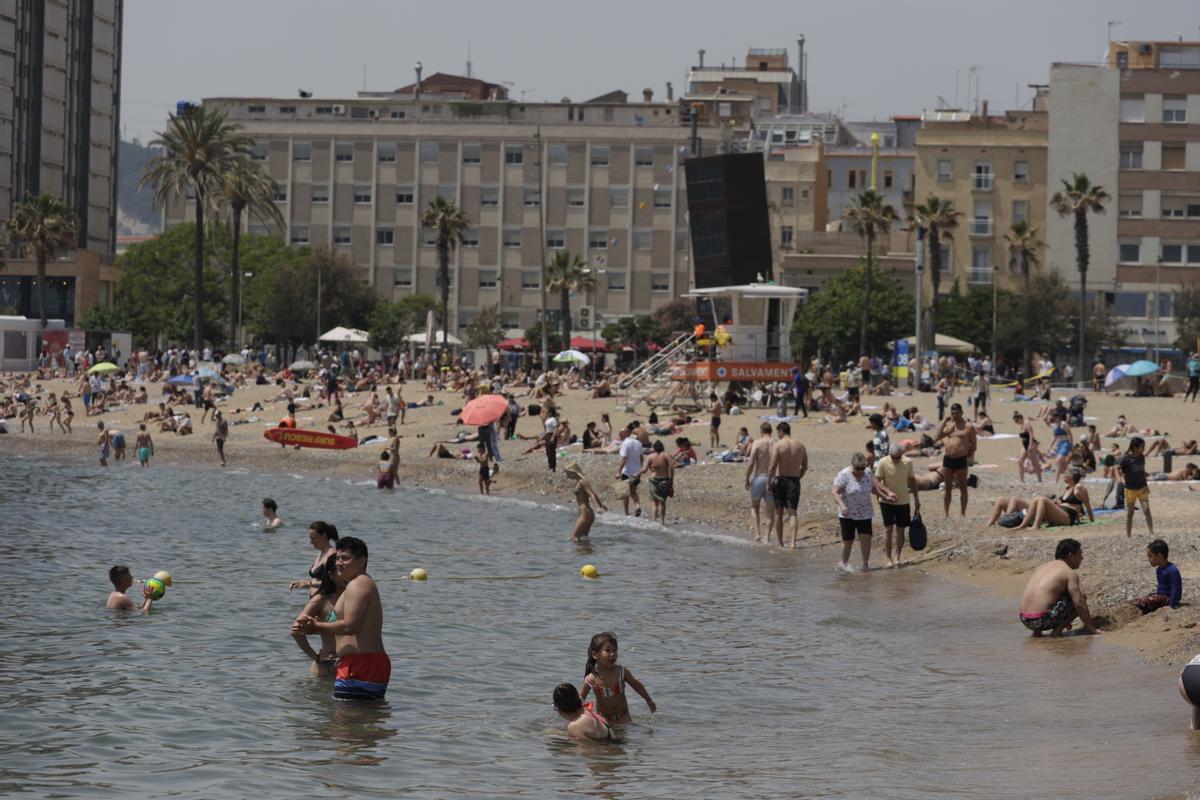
631	465
550	438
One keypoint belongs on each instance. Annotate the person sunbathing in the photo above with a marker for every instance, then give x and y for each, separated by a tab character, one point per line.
1188	472
1163	446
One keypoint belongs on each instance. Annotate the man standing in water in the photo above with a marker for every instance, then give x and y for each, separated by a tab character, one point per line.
363	668
789	462
102	443
960	449
1053	598
758	460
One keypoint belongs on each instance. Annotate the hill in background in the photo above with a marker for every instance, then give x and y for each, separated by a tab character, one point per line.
136	214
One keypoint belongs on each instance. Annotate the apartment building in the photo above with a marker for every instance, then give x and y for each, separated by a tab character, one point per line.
602	178
796	201
1133	125
765	85
993	168
60	63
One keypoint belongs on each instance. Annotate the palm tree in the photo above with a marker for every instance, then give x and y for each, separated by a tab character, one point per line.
567	273
246	187
450	222
1024	247
869	217
1078	198
198	148
40	227
939	219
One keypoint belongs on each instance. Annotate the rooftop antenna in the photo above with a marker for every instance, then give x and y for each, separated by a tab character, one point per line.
470	73
1112	23
365	77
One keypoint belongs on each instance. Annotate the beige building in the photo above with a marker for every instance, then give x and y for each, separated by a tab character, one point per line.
59	128
603	178
993	168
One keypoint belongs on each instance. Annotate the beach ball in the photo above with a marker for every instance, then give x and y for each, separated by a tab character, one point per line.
164	576
589	571
156	587
418	574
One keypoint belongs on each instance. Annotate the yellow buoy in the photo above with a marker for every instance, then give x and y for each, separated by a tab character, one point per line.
163	576
589	571
418	574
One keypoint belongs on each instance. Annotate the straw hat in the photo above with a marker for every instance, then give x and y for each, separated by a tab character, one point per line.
573	469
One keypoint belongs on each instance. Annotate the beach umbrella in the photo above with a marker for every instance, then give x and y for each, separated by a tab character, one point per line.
104	368
206	372
181	380
233	360
1115	374
572	356
302	366
1139	368
484	410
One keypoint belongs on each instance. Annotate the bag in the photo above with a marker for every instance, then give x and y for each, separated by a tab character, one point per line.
917	533
620	489
1114	496
1011	519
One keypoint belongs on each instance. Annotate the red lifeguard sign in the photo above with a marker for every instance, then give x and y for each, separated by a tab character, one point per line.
719	371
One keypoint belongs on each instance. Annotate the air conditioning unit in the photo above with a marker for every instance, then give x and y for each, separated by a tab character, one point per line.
584	315
339	109
373	113
1145	49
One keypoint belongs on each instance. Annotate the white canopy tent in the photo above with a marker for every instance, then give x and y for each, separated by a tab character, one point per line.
345	335
943	344
421	338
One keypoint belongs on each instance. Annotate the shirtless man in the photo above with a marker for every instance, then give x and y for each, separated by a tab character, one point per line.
102	442
714	427
363	668
788	463
758	461
960	449
1053	598
662	480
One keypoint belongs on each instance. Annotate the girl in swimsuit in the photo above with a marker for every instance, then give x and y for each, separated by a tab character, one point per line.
1066	509
584	494
323	538
609	680
320	606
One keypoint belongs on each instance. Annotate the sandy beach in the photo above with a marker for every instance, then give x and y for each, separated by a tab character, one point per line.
994	559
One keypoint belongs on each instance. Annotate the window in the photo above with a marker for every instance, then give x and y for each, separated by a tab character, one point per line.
280	195
341	235
1021	171
259	151
1165	305
1131	155
512	237
981	258
851	179
531	279
487	278
514	154
448	191
945	169
343	151
359	112
302	151
1193	210
887	179
643	156
1020	211
804	194
862	178
402	276
1130	252
320	192
362	194
662	198
1130	205
1172	254
470	237
429	152
1173	155
1193	254
489	196
576	197
299	234
786	236
189	191
428	237
256	109
533	197
981	221
555	238
1129	304
982	176
557	155
1133	109
287	109
616	281
386	152
788	195
258	229
598	239
643	239
404	195
599	155
385	237
472	153
618	196
1185	57
681	239
660	281
1175	109
323	110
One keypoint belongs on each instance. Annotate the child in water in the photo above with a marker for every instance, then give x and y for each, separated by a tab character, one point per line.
121	581
582	722
484	459
609	680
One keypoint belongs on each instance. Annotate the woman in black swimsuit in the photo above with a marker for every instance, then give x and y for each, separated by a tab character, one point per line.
323	537
1066	509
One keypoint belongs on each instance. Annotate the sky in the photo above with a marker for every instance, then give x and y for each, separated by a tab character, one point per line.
866	59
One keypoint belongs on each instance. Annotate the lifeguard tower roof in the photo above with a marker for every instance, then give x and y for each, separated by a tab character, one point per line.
757	290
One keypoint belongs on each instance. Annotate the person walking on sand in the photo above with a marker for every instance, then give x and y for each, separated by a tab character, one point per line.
1053	597
758	461
960	449
1030	460
662	480
785	470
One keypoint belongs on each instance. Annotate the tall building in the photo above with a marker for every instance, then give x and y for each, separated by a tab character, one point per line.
60	64
603	178
1133	126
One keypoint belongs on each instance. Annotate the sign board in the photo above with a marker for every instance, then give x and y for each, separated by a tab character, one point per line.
715	371
900	365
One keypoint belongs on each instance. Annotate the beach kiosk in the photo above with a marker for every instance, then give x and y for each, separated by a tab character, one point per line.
756	320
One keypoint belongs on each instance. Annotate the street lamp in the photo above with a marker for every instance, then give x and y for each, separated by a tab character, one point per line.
995	280
1157	304
241	296
592	299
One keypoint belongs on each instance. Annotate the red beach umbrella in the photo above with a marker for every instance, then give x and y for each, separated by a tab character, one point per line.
484	410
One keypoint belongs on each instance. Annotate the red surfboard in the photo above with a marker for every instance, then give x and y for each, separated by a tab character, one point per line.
322	440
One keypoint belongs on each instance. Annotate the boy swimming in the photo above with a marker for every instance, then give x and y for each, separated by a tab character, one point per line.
121	581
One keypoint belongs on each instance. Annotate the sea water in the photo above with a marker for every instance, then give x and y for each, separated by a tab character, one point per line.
774	675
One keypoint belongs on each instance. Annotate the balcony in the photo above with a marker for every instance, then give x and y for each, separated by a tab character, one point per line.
980	277
981	227
982	181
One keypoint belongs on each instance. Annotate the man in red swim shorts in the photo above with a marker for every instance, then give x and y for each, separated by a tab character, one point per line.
363	669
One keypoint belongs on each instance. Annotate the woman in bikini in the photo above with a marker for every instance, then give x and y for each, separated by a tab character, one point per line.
323	537
584	495
1066	509
320	606
608	680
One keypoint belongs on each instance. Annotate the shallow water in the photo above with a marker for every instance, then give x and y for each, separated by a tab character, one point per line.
774	675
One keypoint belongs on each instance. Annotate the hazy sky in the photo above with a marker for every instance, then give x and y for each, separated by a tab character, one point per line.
875	58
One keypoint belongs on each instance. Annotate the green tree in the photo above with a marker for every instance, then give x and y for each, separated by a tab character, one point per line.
939	219
392	323
450	222
41	227
968	316
567	273
828	321
1024	248
1077	199
1187	316
245	188
105	318
869	217
553	338
288	307
198	148
486	330
674	318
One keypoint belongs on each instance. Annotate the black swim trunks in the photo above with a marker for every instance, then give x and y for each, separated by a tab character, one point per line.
895	515
716	422
954	463
851	527
786	491
1059	614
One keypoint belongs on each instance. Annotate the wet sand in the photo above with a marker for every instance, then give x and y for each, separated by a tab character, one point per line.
995	559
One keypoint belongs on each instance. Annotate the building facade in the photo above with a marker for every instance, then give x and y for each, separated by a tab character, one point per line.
603	180
60	65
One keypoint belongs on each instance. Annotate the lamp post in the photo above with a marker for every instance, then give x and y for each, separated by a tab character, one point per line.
920	267
241	295
995	279
1157	304
537	135
592	299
